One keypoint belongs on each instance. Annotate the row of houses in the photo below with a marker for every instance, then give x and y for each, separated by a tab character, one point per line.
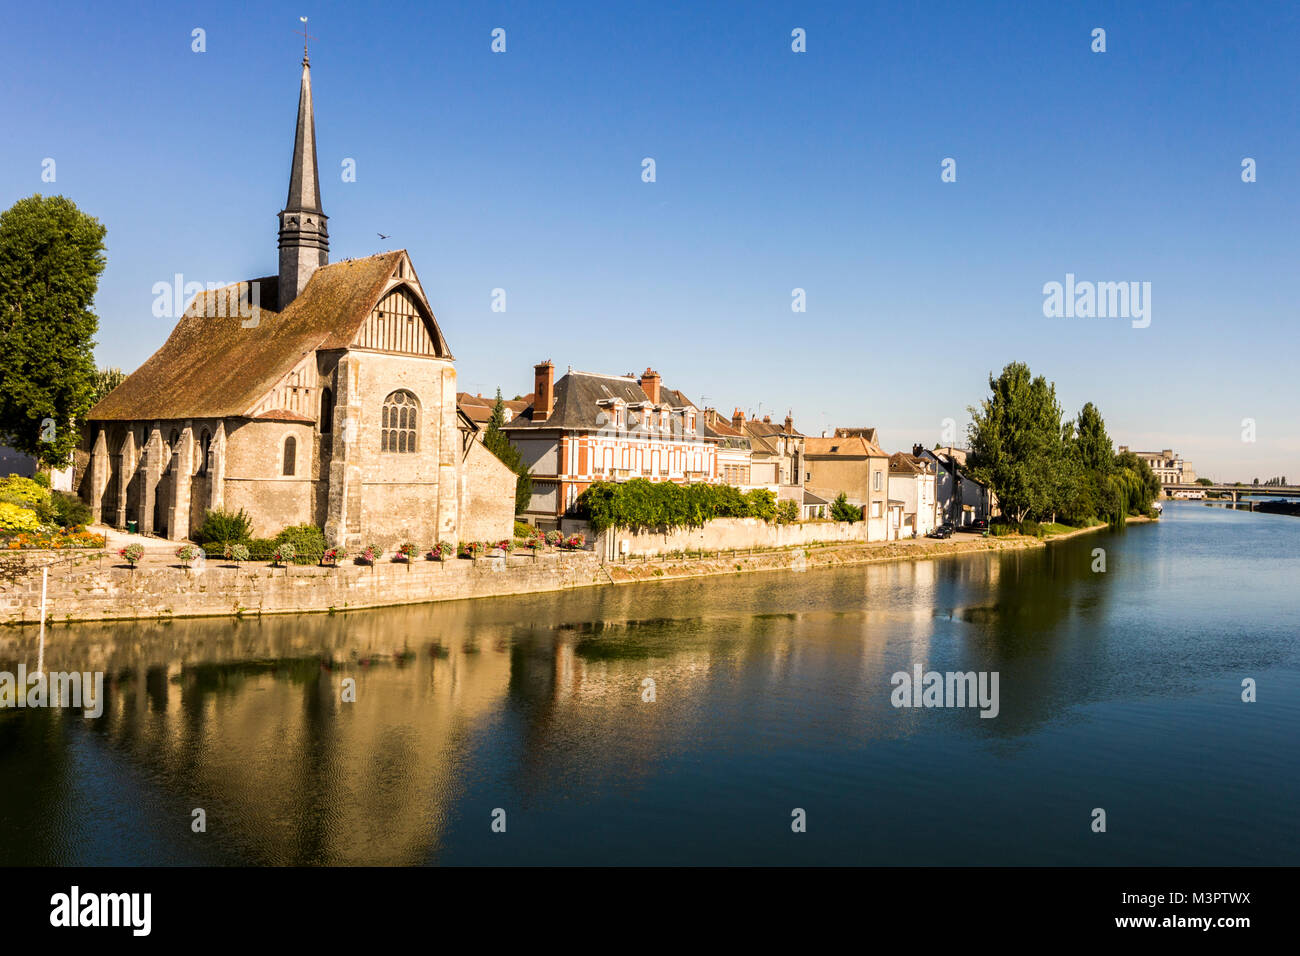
587	427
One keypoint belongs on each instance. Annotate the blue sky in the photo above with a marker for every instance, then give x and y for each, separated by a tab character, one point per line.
775	170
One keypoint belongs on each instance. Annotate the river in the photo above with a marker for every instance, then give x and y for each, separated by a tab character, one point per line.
1119	690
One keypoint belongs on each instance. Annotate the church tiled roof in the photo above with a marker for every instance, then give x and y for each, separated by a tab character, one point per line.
212	366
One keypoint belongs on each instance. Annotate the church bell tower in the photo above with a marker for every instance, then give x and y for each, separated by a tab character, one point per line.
304	238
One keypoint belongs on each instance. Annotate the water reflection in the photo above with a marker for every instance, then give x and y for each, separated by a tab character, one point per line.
768	688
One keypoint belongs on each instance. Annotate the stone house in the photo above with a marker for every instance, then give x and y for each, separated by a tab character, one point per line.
776	455
323	395
857	467
734	449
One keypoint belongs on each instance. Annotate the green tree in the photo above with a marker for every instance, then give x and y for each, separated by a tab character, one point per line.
105	380
51	257
1095	451
1016	442
497	443
841	510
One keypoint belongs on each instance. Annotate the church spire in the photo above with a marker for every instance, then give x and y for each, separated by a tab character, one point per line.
304	238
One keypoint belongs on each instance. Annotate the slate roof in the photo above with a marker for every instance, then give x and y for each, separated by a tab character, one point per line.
868	433
762	429
904	464
214	367
577	398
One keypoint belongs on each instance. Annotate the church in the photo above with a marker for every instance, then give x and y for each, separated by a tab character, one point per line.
323	395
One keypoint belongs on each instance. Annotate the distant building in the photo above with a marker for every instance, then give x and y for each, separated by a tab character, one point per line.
1171	469
735	463
859	469
960	498
912	482
588	427
776	458
479	409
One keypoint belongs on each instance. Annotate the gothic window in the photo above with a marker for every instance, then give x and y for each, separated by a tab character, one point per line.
398	423
290	454
326	411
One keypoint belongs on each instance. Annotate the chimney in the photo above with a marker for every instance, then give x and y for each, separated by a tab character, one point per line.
543	390
649	382
789	423
767	419
737	419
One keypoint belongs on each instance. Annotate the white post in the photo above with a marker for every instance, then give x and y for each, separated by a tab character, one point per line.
40	654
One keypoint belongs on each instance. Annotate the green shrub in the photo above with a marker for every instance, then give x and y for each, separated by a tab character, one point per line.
69	510
645	504
284	552
308	542
260	549
524	530
42	478
787	512
224	527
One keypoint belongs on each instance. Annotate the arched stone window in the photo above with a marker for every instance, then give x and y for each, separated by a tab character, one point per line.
398	424
290	455
326	411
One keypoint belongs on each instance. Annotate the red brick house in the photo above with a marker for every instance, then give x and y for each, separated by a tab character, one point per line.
588	427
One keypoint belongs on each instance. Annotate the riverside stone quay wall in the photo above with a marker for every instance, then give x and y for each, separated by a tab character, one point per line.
105	589
99	588
724	534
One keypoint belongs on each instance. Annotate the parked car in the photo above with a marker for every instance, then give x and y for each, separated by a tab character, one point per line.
979	524
943	531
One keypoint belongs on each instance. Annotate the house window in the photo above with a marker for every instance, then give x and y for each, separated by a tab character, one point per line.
397	425
875	508
290	455
876	481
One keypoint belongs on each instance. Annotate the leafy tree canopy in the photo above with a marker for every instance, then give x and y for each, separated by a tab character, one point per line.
51	257
497	443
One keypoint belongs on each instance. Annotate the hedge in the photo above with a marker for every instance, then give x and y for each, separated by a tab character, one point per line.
646	504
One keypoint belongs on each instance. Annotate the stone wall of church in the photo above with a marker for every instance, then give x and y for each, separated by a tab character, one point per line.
255	479
487	501
385	497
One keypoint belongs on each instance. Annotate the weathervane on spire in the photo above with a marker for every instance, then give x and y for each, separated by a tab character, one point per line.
305	38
